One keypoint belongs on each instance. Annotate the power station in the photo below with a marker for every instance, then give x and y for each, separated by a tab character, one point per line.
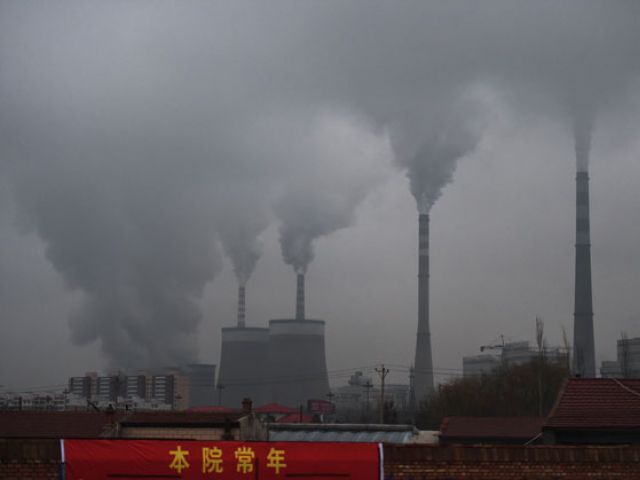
284	363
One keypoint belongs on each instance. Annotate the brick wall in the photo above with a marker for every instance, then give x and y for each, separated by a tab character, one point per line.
426	462
29	459
40	459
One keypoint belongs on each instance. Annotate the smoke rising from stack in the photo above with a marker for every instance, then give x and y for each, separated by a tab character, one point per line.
582	129
325	193
430	149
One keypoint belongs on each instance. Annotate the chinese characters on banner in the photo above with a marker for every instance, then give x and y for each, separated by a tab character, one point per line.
104	459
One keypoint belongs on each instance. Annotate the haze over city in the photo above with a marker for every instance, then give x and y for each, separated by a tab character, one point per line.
154	154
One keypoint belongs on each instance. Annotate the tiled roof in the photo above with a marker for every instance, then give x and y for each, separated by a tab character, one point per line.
491	427
275	408
180	418
214	409
597	403
341	432
295	418
38	424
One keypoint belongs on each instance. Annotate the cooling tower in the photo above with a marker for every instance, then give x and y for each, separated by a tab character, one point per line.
584	361
423	383
297	365
243	361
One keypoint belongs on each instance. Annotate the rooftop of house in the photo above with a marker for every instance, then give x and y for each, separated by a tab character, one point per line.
275	408
214	409
597	403
470	428
181	418
341	432
43	424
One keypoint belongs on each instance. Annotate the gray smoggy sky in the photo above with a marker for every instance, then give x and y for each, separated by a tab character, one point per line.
152	151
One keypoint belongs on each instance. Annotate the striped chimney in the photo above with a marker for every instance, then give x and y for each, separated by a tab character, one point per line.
584	361
300	297
423	382
241	306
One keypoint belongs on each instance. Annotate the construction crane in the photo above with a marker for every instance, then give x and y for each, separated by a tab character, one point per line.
499	346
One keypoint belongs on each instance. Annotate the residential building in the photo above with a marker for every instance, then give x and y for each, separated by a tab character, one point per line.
627	364
511	353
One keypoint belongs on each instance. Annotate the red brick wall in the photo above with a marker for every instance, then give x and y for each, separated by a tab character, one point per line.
23	459
29	471
418	462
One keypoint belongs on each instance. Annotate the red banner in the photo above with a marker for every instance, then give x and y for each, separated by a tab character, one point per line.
176	459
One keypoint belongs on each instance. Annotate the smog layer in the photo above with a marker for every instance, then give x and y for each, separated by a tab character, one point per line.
142	144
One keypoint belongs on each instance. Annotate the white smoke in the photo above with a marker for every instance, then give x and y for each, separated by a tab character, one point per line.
345	161
582	130
428	145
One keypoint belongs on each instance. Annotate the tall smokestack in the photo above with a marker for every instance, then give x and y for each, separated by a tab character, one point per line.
584	361
300	297
241	306
423	362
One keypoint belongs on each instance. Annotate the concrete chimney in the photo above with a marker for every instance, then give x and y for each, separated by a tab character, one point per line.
584	361
423	382
300	297
241	306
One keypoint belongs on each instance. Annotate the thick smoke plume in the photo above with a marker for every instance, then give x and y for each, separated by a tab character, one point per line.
323	196
239	232
430	154
307	216
582	129
244	250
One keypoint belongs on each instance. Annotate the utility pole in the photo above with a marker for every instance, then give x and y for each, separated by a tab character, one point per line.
412	393
500	347
382	373
367	387
540	343
220	387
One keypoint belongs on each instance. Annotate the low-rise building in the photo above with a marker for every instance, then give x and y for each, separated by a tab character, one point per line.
595	411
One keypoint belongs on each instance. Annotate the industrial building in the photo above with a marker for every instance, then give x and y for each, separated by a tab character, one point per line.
511	353
627	364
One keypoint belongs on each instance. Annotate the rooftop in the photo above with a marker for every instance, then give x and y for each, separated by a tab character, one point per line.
43	424
469	428
597	403
180	418
342	432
